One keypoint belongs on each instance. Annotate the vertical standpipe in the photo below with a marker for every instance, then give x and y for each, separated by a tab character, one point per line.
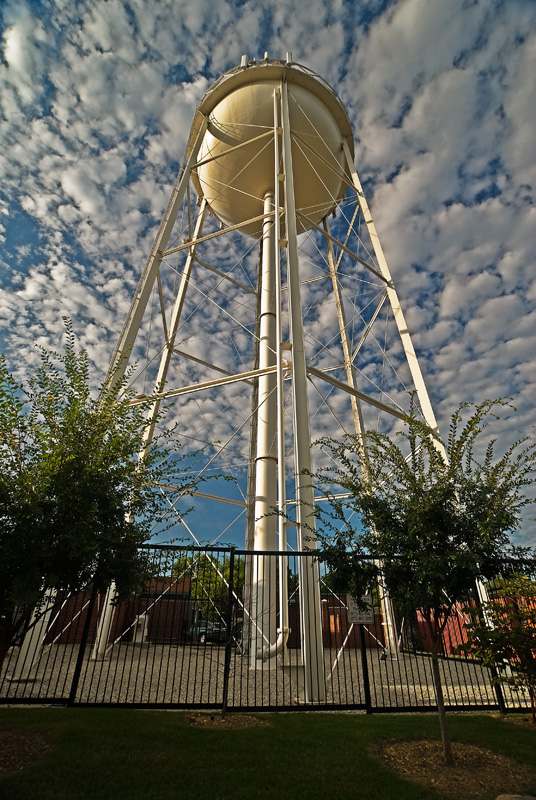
263	600
238	172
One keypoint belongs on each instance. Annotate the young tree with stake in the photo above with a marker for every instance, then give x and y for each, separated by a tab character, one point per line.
433	525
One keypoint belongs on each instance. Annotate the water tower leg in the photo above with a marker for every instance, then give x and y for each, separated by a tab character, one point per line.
127	339
263	599
391	639
106	617
32	643
312	650
98	652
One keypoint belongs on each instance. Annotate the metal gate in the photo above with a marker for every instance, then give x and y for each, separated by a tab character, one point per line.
197	635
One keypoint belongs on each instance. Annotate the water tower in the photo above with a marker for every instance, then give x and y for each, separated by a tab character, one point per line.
263	310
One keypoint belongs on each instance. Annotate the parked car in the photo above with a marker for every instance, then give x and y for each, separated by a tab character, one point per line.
207	631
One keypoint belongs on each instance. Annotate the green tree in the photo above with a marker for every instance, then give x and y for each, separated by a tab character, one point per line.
76	501
503	634
210	576
434	517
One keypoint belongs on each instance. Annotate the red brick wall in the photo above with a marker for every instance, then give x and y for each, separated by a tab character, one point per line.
335	626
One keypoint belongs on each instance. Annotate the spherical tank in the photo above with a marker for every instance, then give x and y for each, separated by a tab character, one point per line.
236	165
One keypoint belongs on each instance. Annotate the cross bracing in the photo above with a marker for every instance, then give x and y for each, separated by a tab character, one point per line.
212	369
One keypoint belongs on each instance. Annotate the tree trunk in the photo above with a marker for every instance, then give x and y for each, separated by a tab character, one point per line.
445	737
532	705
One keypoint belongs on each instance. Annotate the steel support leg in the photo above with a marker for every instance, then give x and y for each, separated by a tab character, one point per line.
32	642
105	624
310	609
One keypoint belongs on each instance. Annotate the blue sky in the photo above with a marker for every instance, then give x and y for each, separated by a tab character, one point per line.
96	104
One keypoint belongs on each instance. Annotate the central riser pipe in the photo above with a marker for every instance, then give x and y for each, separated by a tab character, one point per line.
263	600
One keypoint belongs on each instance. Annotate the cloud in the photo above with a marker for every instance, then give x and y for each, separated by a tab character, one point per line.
96	105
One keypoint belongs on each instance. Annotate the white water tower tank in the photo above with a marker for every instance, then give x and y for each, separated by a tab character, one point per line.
240	108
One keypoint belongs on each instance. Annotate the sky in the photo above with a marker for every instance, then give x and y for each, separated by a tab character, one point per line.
96	103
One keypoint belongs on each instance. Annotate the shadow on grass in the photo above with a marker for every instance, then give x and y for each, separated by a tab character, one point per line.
152	755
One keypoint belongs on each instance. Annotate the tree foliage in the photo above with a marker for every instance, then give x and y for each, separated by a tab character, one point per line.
503	634
210	577
434	515
76	501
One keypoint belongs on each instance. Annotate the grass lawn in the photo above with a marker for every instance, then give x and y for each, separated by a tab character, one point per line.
155	755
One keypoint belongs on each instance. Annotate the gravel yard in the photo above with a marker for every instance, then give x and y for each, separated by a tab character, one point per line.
189	676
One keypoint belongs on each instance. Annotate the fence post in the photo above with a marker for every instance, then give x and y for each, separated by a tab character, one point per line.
229	642
498	691
82	648
481	594
364	667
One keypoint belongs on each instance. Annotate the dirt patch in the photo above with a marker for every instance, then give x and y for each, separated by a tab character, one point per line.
477	773
524	722
229	721
19	748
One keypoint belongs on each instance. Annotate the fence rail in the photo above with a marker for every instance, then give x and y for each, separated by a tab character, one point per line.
202	633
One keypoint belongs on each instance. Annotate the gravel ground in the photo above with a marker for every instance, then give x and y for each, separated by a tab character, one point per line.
194	676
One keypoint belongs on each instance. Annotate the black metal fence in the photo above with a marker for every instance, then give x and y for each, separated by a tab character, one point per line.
209	630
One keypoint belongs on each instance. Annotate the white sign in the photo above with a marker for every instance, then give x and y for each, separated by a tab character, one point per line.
363	615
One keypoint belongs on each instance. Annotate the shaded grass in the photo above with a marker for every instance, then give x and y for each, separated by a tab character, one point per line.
151	755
